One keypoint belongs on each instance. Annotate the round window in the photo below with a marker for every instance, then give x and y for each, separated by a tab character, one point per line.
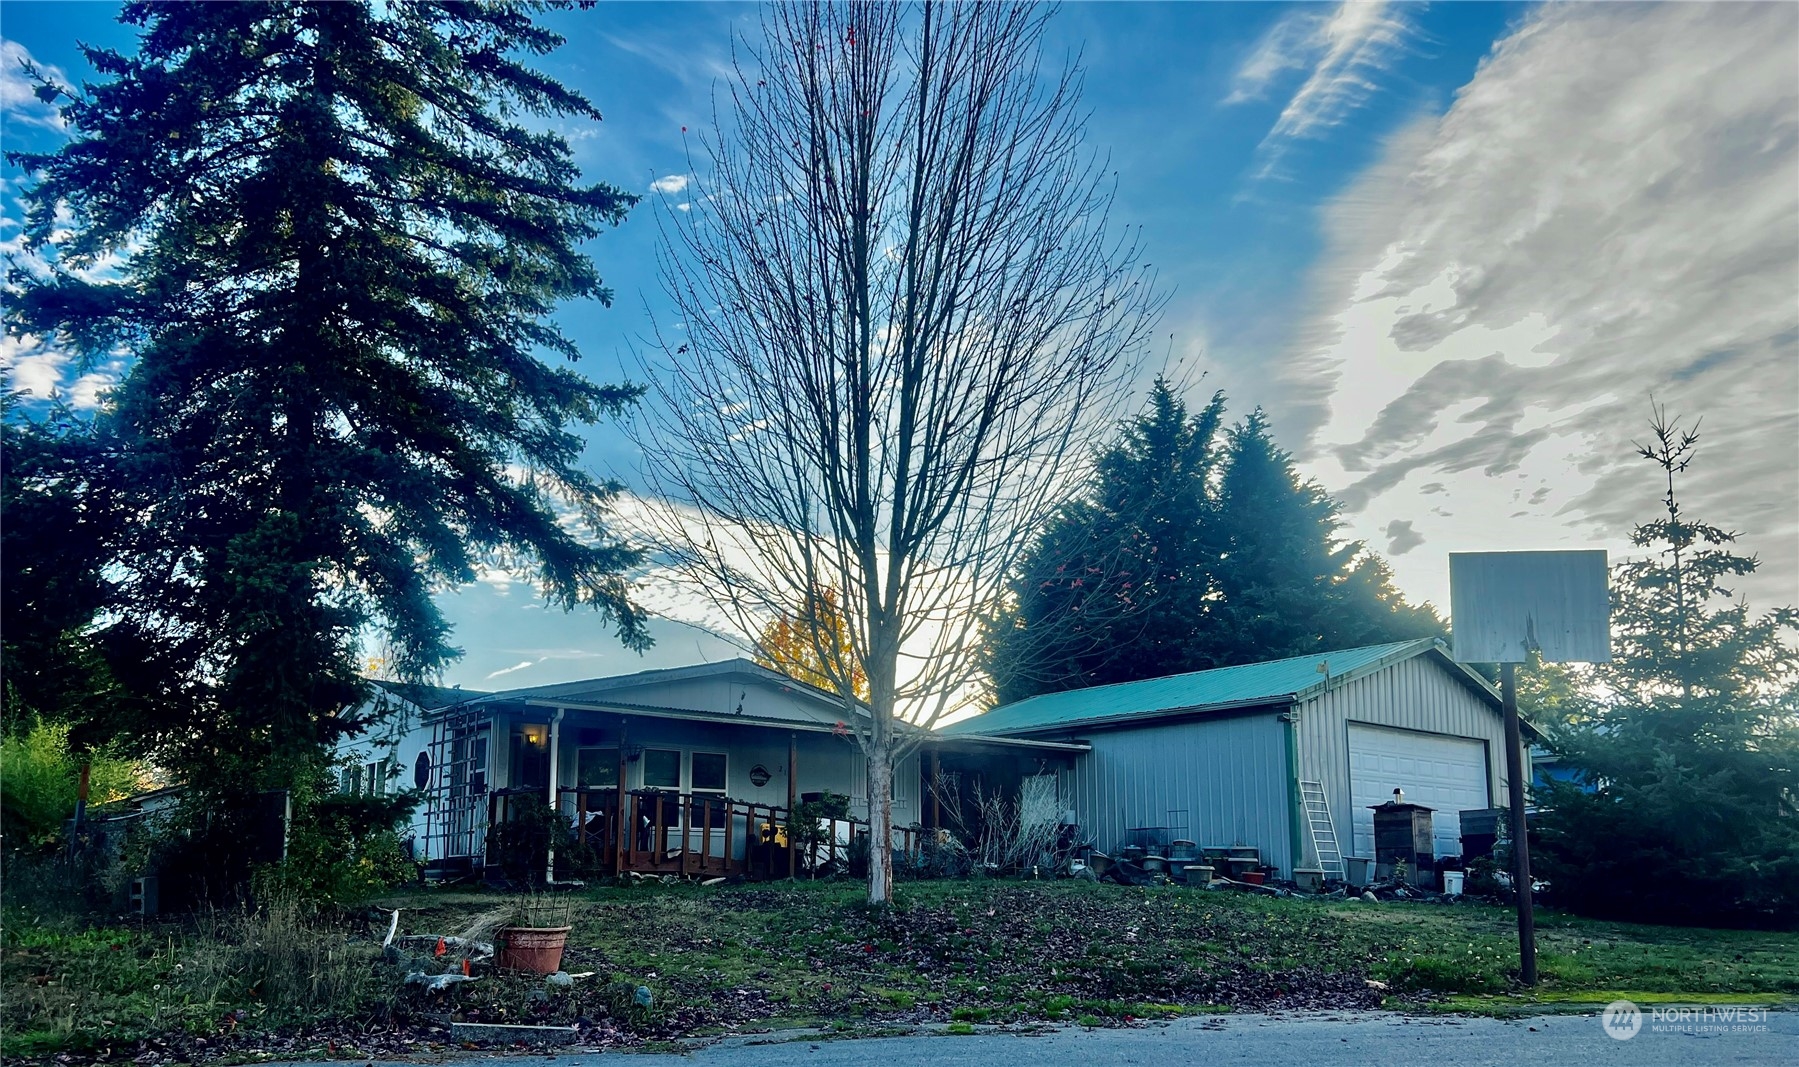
759	776
421	770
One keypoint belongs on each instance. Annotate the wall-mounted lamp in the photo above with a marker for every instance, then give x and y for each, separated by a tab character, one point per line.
633	753
534	736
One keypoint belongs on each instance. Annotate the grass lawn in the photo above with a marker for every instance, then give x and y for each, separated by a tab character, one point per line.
737	958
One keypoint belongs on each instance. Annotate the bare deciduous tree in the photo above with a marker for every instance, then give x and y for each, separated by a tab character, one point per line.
905	317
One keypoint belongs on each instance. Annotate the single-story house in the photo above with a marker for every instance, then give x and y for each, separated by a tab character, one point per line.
1287	755
699	765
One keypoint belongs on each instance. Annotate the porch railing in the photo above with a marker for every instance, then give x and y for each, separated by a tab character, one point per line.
700	834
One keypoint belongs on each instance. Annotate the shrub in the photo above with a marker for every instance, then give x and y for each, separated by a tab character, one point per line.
520	846
40	781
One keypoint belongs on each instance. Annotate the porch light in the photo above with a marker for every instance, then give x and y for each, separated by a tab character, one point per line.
633	753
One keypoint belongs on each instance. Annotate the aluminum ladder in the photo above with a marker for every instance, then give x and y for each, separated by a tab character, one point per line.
1324	831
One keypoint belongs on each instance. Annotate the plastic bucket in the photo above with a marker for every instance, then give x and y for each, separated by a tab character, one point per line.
534	950
1452	883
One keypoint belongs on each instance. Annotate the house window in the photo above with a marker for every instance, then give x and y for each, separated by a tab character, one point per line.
375	779
597	768
661	768
708	772
421	770
477	779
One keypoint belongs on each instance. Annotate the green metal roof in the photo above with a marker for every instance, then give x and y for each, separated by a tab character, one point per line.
1249	684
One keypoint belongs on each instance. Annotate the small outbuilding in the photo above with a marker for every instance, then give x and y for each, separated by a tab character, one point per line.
1286	755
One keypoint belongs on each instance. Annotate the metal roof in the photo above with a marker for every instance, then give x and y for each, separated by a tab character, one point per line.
1247	685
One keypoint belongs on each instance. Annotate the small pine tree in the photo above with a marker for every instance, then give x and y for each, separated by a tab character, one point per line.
1683	808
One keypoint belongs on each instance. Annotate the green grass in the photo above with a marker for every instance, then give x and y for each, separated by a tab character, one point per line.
745	958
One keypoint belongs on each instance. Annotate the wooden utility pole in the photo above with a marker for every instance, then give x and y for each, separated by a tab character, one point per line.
793	777
1521	883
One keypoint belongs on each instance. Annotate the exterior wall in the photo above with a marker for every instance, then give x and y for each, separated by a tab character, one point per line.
1416	694
1219	781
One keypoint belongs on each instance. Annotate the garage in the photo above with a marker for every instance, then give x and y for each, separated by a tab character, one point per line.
1439	771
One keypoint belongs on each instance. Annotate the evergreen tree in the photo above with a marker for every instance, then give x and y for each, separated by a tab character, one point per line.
1687	765
1186	554
1119	584
339	239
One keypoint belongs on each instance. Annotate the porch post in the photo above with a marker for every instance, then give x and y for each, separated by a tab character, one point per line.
936	786
793	772
618	821
549	864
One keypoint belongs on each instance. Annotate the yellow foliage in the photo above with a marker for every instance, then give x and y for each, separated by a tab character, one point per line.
793	642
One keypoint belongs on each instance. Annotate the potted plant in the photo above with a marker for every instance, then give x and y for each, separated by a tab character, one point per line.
532	937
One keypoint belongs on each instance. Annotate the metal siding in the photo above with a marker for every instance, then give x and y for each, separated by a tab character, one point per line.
1229	775
1415	694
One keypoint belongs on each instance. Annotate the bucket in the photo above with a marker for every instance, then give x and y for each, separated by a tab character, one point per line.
534	950
1452	883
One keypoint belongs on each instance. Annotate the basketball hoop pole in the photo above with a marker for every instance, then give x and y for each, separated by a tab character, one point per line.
1521	883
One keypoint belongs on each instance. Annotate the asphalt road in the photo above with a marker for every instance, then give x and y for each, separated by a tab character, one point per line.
1377	1039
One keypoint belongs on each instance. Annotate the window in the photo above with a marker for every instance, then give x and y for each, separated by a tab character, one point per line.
709	772
596	768
661	768
477	780
421	770
374	778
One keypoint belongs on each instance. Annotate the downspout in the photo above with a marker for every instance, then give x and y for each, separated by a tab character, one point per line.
549	863
1296	839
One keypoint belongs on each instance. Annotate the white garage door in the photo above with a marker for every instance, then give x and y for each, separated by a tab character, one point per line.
1435	770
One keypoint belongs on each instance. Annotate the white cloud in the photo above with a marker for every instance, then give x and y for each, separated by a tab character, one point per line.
669	184
18	93
1609	209
523	665
1344	51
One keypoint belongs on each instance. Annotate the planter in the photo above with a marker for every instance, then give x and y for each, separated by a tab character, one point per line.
1239	867
1132	853
1452	882
1099	863
1183	852
1355	870
1245	852
533	950
1310	879
1216	856
1155	864
1199	874
1253	878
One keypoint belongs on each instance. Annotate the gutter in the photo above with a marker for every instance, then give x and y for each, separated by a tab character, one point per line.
1295	839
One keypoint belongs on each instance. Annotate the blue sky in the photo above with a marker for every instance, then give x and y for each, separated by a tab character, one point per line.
1453	249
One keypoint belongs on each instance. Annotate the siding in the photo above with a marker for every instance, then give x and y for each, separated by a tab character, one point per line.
1218	781
1415	694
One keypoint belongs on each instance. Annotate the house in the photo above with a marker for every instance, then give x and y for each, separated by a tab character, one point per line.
689	769
1287	755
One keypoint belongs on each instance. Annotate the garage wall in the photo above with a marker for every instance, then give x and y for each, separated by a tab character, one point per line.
1421	694
1224	779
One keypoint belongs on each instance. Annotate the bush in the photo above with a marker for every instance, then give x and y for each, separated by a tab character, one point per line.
40	780
520	846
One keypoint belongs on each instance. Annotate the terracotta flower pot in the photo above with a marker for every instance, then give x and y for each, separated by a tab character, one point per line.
534	950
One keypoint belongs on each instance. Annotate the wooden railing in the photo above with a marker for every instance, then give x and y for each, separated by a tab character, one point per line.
702	834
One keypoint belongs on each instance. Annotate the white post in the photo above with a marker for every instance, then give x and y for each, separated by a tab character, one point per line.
549	866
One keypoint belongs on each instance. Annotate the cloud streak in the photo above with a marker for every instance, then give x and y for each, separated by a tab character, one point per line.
1343	52
1608	210
19	102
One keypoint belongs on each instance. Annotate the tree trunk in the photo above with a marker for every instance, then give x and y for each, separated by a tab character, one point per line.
880	826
